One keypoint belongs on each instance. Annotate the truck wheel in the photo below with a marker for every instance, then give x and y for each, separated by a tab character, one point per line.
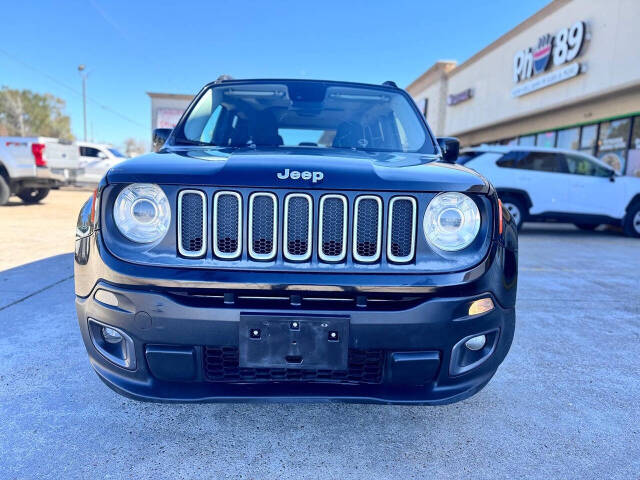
589	227
33	195
632	221
516	208
5	191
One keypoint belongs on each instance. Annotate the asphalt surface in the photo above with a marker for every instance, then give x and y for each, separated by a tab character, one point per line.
565	403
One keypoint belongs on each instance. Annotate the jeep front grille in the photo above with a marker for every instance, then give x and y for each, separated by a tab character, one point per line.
227	225
402	229
263	226
298	226
332	244
366	226
367	229
192	218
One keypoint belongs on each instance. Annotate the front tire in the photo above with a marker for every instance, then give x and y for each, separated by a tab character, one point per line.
5	191
632	221
32	195
516	208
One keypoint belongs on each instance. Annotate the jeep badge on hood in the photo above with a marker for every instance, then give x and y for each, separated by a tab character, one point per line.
305	175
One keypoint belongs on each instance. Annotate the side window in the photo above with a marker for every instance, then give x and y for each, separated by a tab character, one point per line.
512	160
544	162
89	152
583	166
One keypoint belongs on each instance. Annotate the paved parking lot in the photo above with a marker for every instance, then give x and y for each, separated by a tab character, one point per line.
563	405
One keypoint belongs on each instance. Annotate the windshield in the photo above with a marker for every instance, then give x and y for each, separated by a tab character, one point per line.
116	153
305	114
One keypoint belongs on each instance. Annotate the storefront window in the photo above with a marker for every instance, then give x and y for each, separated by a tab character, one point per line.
612	143
569	138
546	139
633	159
527	141
588	139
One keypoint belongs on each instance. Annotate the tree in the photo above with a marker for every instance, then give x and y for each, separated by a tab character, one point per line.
133	147
25	113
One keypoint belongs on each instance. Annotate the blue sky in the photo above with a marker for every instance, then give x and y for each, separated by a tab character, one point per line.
131	47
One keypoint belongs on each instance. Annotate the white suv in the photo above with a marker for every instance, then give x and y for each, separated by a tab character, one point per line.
549	184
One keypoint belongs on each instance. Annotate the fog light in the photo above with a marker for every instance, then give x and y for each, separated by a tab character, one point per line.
476	343
482	305
111	335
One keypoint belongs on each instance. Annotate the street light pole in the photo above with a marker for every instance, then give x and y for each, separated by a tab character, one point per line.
83	74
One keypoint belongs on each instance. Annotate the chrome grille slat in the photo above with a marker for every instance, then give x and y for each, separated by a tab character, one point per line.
192	223
227	225
263	225
401	236
367	228
298	226
332	228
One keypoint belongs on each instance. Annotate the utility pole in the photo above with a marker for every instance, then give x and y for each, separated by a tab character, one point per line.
83	74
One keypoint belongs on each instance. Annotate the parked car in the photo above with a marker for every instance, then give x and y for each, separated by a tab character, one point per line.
95	160
296	239
548	184
31	166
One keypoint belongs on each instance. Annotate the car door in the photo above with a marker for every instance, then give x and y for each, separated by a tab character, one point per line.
543	176
593	189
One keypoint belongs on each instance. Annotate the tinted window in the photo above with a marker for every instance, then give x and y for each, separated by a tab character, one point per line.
314	114
466	157
538	161
583	166
89	152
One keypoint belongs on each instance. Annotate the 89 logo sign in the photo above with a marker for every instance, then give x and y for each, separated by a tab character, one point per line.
563	47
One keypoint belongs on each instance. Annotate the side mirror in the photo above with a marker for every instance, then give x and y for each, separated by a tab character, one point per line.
102	155
160	136
450	147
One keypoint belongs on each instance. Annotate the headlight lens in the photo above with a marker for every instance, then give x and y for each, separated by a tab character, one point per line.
451	222
142	212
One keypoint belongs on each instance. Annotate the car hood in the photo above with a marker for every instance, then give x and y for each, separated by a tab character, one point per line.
266	168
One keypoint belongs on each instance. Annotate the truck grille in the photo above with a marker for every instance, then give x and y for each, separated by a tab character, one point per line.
221	364
337	233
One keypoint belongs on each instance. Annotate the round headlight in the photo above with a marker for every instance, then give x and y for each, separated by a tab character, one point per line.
451	222
142	212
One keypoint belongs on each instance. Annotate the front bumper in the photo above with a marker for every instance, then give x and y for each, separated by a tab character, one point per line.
417	346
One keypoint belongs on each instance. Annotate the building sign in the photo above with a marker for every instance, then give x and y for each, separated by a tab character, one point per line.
457	98
559	49
168	117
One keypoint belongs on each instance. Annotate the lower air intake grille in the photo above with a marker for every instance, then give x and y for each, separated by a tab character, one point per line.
221	364
192	241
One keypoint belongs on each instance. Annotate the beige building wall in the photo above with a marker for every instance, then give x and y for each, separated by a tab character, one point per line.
610	85
166	108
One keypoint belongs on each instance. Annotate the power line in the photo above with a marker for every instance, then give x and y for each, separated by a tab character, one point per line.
69	87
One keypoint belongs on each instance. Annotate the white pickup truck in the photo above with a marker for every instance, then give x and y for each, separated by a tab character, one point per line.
31	166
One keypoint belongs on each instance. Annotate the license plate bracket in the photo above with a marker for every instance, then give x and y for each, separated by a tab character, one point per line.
293	341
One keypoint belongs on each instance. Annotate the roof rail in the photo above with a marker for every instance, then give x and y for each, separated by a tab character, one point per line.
390	83
223	78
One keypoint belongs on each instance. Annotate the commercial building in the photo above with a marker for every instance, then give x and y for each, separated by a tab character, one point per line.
167	108
569	77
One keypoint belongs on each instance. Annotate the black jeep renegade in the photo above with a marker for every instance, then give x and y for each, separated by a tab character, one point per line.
295	239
